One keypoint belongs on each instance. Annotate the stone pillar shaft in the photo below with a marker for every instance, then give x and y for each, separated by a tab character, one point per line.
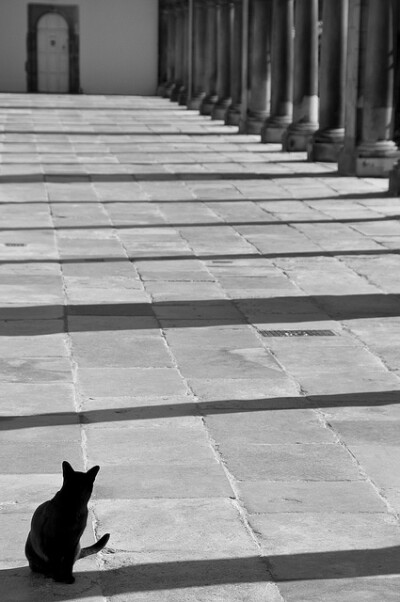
223	72
327	142
171	28
211	97
183	91
236	25
163	54
305	99
259	66
378	71
178	50
199	44
282	57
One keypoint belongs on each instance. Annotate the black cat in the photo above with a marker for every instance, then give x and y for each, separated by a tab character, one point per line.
57	525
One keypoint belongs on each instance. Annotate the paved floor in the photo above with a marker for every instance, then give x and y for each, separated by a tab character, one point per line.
151	259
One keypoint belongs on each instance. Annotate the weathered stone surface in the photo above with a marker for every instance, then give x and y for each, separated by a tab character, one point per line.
177	526
29	488
38	457
368	432
253	362
267	427
114	382
27	399
149	446
380	463
310	496
120	349
289	462
352	589
138	481
244	388
35	370
297	533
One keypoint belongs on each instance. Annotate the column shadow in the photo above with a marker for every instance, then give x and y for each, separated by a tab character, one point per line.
206	408
171	575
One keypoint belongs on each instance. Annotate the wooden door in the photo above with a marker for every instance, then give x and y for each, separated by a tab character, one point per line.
53	54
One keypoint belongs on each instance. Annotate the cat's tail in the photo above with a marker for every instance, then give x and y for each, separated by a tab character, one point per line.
96	547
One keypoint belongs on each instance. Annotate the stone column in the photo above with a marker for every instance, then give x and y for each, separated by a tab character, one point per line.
305	99
211	97
259	66
235	63
183	91
377	151
327	142
179	48
282	56
163	49
223	67
199	47
171	27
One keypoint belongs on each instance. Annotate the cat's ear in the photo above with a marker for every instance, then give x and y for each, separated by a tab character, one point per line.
92	473
67	469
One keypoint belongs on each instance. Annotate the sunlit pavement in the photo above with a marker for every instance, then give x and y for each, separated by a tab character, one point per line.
216	324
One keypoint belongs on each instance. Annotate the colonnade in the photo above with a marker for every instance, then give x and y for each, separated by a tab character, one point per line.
314	75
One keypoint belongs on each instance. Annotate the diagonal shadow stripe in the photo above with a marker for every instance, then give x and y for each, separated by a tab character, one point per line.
220	224
206	257
153	176
205	408
35	320
244	199
170	575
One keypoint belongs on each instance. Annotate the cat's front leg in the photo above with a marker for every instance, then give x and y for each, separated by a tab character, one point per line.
64	578
63	574
63	570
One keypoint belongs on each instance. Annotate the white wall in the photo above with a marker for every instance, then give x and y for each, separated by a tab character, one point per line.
118	45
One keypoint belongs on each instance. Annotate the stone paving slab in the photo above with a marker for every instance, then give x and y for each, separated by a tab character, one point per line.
149	258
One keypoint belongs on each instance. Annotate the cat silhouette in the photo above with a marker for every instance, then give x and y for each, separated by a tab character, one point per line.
57	525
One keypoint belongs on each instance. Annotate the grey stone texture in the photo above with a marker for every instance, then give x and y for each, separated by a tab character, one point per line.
147	254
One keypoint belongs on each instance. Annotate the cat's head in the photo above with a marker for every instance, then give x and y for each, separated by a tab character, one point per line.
81	483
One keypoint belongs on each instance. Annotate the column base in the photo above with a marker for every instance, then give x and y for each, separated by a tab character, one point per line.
161	90
326	145
324	151
220	110
233	115
174	96
196	101
375	167
183	96
208	104
274	128
168	87
394	180
297	136
376	159
253	124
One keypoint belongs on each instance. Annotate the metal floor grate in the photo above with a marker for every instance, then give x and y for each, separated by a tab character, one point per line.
297	333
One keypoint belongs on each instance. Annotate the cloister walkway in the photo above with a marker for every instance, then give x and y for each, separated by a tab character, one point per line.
216	324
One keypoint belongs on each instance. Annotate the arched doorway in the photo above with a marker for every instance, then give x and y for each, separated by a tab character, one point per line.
53	54
53	48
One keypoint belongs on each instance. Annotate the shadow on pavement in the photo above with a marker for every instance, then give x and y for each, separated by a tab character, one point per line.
42	319
156	176
368	399
205	257
157	576
218	224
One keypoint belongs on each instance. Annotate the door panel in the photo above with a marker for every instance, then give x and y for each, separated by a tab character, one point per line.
53	54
